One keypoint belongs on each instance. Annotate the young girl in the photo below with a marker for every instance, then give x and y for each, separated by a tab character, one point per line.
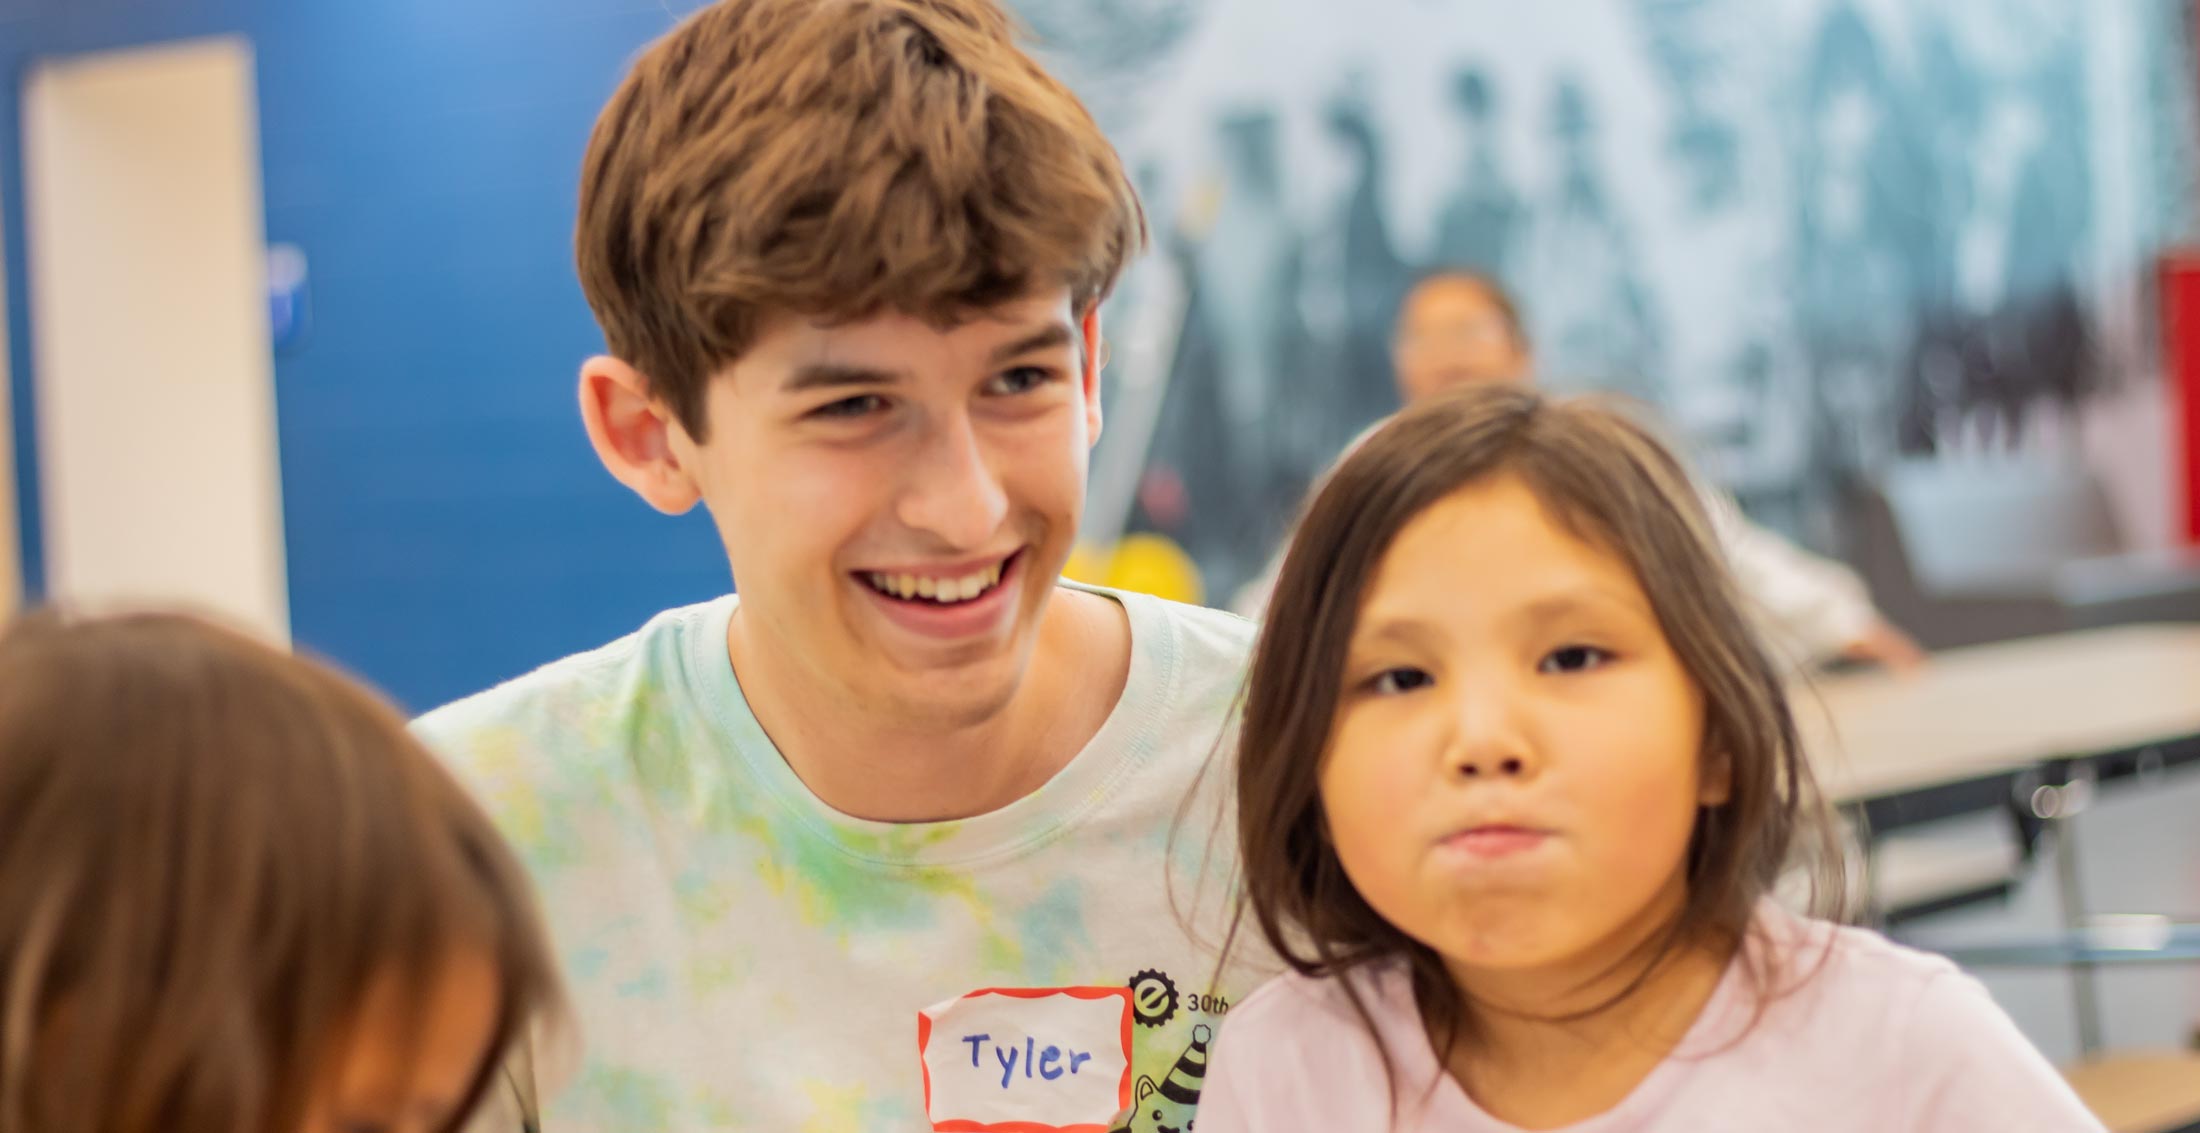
237	897
1515	781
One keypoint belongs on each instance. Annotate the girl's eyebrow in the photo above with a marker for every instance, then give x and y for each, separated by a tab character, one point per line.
1585	598
1412	629
1406	629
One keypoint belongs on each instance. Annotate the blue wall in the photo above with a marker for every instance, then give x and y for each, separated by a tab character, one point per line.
447	524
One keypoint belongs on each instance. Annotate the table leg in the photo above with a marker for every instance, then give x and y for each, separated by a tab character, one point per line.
2058	808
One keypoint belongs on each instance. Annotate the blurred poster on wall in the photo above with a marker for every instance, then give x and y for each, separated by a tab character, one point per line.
1820	235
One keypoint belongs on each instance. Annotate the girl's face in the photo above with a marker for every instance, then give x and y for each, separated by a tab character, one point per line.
407	1066
1513	772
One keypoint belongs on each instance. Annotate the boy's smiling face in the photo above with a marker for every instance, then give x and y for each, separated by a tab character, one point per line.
897	499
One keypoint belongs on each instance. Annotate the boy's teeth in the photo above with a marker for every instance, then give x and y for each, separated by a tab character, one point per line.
960	589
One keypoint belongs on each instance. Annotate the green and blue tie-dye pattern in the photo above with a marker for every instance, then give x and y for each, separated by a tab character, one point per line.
741	957
607	1093
835	1108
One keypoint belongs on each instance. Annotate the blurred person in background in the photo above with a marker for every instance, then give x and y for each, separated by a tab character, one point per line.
1458	328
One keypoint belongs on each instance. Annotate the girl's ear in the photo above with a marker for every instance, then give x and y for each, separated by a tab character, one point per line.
1715	786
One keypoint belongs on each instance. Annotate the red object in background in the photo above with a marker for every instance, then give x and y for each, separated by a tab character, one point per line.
2181	357
1167	501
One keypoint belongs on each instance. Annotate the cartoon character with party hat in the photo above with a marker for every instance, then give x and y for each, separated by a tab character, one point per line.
1169	1106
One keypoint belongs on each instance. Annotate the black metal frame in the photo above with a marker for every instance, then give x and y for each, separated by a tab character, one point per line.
2039	803
1998	790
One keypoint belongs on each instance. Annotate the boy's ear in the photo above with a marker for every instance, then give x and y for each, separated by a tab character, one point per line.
636	436
1096	359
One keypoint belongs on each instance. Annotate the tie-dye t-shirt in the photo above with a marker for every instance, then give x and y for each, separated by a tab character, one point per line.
741	956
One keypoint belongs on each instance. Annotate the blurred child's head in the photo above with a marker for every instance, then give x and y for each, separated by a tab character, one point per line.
1457	328
235	894
1508	717
848	259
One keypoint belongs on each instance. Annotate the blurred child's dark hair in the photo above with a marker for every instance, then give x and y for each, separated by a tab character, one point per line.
209	850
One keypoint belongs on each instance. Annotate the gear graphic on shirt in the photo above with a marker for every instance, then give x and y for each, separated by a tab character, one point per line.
1153	998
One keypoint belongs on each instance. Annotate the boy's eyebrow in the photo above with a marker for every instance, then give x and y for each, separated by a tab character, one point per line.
834	375
837	375
1050	337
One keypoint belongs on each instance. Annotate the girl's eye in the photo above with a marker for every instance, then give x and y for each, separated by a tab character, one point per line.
851	407
1391	682
1574	659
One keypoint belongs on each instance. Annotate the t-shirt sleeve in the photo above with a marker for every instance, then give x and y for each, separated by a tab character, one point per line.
1226	1103
1286	1063
1813	607
1975	1070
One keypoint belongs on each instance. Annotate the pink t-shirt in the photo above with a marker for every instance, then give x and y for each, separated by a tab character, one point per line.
1880	1039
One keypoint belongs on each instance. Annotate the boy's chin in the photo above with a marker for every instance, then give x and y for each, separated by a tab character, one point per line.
968	697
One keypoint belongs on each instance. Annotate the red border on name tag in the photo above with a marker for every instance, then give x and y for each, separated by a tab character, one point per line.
1122	1090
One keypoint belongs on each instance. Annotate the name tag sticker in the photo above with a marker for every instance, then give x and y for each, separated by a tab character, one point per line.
1027	1060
